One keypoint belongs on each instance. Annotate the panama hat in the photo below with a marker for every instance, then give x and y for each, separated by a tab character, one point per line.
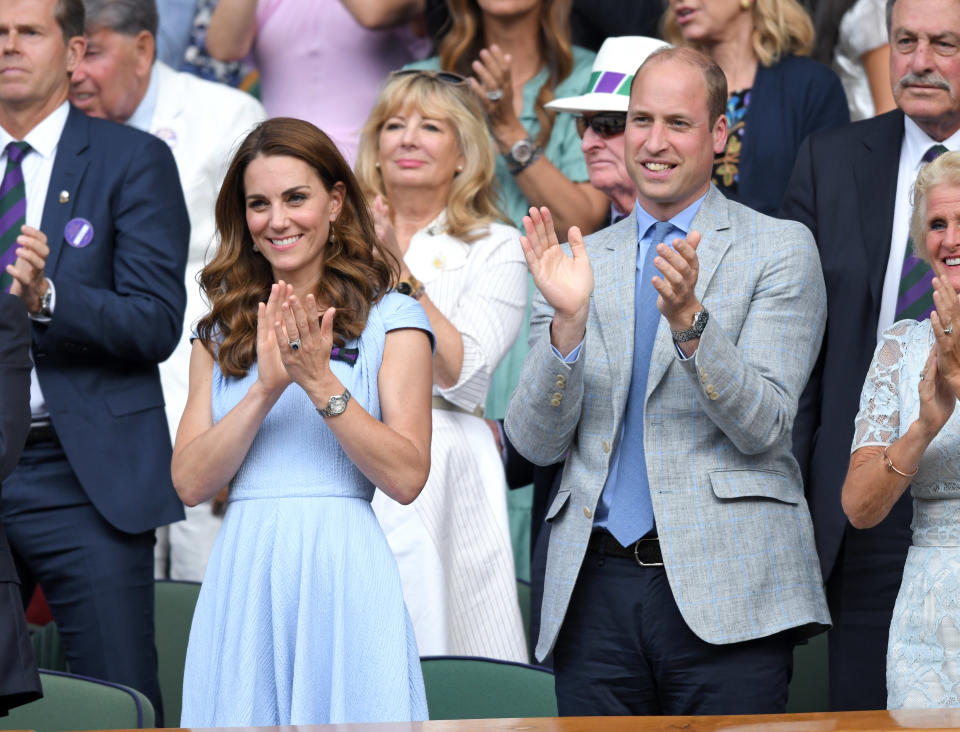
613	70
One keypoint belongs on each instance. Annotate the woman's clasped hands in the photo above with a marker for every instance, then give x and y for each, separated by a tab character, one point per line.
294	341
939	386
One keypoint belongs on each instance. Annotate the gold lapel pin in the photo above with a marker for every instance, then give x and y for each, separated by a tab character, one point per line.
64	196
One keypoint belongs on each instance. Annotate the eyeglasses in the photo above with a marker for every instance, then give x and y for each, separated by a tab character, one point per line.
447	77
608	124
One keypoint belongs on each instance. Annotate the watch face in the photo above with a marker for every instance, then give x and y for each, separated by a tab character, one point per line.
521	151
404	288
336	404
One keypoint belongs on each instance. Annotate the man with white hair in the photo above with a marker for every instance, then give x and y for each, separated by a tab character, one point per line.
852	187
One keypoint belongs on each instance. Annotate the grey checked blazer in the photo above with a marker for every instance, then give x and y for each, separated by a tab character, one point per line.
734	526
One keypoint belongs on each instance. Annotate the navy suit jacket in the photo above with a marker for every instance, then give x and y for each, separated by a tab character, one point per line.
118	313
844	189
19	682
789	101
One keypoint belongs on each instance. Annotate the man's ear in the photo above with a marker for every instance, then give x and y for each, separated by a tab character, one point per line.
720	134
146	52
76	47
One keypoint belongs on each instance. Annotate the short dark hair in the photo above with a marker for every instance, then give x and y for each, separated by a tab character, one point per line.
713	76
69	15
128	17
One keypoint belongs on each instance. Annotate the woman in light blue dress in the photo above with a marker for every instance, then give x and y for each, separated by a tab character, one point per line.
310	382
908	434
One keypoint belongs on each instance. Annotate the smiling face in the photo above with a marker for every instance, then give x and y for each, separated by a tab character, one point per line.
670	141
289	213
35	60
113	76
943	231
925	63
419	151
706	22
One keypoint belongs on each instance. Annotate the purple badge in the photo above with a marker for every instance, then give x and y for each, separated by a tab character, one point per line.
168	135
78	233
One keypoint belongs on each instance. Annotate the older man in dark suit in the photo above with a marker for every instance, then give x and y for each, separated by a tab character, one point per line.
852	187
95	230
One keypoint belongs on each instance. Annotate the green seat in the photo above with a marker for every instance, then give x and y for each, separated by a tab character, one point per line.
523	597
47	648
79	703
461	687
809	687
174	603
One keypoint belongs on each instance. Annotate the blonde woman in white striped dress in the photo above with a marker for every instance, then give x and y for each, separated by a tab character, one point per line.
426	162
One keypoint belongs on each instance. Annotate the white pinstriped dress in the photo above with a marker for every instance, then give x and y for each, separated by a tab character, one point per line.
452	544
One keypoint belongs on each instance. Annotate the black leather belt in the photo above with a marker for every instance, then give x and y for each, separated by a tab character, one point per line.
41	432
644	551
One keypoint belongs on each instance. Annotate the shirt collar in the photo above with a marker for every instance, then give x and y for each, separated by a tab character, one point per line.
45	137
916	142
682	221
142	116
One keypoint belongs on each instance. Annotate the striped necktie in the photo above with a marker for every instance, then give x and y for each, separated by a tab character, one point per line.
13	209
915	296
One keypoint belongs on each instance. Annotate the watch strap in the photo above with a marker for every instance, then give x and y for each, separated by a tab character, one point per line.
334	403
700	319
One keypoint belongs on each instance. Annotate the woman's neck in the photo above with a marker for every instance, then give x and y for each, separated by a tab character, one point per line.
518	36
413	209
734	54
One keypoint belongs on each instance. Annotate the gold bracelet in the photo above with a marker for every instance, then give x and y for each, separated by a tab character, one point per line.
895	469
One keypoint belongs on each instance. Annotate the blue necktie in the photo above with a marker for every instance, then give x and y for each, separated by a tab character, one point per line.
631	511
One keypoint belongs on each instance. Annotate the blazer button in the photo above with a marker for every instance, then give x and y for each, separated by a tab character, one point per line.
587	512
712	393
557	395
561	383
555	401
605	445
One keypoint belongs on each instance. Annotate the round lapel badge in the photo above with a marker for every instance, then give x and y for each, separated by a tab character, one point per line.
168	135
78	233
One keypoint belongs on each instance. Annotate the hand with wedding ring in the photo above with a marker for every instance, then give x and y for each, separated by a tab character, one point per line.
943	321
494	87
305	340
271	372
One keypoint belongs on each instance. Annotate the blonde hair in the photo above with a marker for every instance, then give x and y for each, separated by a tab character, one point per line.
472	200
944	171
780	28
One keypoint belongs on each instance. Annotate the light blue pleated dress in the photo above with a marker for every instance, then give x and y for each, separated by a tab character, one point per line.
301	617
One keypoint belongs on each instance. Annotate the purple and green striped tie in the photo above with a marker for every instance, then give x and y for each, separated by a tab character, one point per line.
13	209
915	296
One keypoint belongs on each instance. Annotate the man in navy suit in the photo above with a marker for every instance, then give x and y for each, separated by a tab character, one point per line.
99	264
852	187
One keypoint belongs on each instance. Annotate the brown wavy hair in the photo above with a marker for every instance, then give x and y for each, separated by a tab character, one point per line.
472	199
355	276
780	28
463	42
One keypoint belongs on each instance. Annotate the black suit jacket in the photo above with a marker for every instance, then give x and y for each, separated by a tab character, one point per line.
118	313
19	682
844	189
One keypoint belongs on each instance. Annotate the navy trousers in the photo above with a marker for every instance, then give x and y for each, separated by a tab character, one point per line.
624	649
97	580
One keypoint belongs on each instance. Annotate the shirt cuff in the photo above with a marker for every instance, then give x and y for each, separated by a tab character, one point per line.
570	357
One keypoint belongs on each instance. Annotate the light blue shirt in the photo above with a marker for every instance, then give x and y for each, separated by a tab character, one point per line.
142	116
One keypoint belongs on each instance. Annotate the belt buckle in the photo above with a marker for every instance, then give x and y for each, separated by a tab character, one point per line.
636	554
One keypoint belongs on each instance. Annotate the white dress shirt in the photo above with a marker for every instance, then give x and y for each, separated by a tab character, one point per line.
37	166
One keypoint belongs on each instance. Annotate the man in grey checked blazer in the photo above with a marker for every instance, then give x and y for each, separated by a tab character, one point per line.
711	629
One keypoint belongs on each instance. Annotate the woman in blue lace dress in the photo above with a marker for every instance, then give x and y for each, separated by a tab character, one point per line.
310	382
908	434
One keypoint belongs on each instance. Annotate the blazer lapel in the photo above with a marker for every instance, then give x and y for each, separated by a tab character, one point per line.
712	221
614	276
68	168
875	173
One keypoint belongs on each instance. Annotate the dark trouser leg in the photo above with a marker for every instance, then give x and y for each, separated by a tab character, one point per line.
861	591
98	580
625	649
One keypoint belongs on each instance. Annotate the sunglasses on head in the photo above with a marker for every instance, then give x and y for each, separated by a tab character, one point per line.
447	77
607	124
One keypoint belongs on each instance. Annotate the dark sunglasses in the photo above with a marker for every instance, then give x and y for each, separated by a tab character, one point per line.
447	77
608	124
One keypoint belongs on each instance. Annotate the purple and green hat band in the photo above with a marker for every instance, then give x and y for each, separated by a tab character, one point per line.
610	82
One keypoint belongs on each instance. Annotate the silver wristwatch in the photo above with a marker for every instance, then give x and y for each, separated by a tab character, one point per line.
700	319
335	404
522	154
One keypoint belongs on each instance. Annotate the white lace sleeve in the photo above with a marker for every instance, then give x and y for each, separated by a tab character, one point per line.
878	421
